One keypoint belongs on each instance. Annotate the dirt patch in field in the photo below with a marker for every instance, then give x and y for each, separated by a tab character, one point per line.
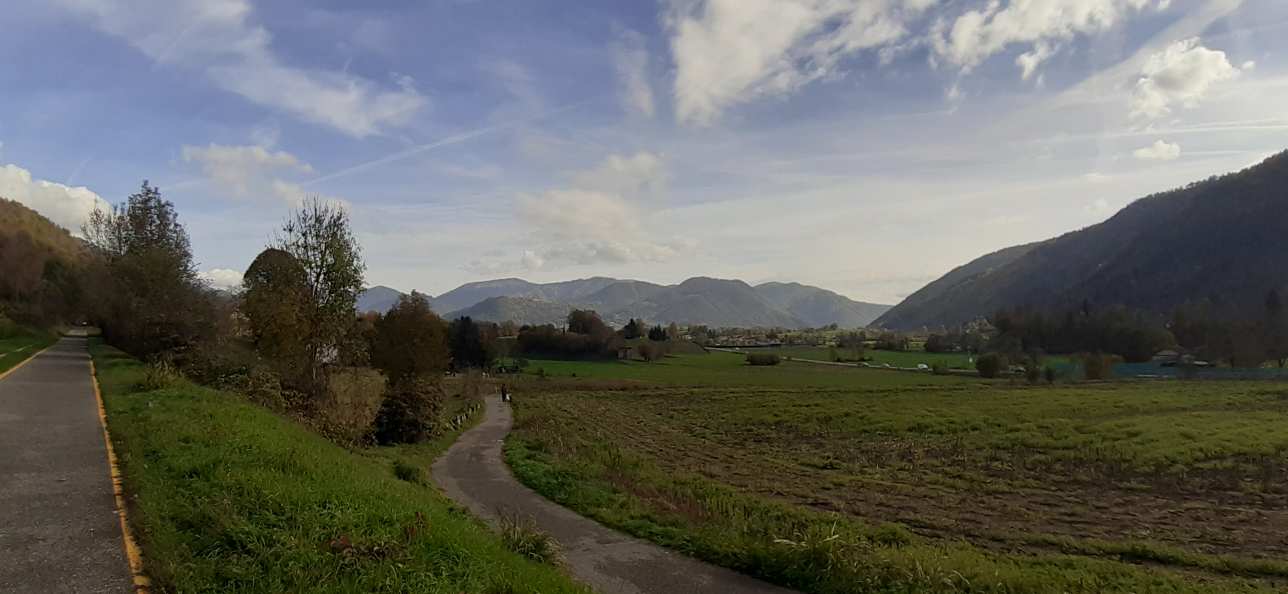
934	482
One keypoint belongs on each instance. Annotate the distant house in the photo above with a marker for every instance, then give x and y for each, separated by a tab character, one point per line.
625	352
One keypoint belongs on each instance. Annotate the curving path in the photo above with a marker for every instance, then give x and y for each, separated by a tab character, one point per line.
473	473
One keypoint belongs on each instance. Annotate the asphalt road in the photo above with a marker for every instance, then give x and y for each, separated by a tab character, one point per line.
59	531
474	474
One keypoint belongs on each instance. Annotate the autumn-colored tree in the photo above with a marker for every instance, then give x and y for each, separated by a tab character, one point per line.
275	303
318	236
151	300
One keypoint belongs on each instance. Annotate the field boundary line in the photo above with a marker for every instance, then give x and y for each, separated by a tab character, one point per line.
128	542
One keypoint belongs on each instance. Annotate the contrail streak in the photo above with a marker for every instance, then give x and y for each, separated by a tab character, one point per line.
450	140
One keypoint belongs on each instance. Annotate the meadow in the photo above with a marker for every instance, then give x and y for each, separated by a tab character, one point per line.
835	480
227	496
907	359
730	369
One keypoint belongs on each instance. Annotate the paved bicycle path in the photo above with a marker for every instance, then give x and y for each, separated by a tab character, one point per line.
473	473
59	531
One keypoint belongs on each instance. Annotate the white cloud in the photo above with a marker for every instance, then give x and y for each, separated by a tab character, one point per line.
976	35
256	172
1159	151
69	207
631	60
1099	208
295	195
217	37
1030	61
732	51
632	175
222	278
241	169
1180	74
530	260
602	216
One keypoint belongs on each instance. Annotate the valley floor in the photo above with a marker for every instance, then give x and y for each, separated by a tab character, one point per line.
848	480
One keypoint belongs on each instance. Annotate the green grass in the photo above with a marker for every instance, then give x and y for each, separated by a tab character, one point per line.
731	369
16	349
904	359
911	485
228	497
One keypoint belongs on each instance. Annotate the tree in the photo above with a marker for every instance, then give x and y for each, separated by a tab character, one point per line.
854	343
318	236
938	343
472	344
150	298
410	340
632	330
657	333
673	331
585	321
990	365
274	301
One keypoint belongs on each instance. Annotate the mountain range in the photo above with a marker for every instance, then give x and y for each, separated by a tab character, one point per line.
1223	240
701	300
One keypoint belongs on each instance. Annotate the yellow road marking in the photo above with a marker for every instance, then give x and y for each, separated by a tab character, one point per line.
141	581
4	374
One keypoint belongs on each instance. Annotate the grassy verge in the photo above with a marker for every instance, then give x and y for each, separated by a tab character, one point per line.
228	497
16	349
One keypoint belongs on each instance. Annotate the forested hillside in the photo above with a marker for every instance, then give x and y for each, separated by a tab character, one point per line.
1221	240
38	263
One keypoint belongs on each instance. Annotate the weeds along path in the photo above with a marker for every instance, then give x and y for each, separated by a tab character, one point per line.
474	474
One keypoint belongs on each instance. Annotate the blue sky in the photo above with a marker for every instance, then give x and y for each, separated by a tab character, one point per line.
866	146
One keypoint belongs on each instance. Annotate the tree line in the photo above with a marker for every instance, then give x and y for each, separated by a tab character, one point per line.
291	337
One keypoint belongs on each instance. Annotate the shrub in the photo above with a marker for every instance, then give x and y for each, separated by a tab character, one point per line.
990	365
1033	372
763	359
938	368
408	472
411	412
350	403
8	329
1097	366
651	351
159	375
1050	374
521	535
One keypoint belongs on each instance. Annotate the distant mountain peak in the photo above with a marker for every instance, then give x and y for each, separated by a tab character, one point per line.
697	300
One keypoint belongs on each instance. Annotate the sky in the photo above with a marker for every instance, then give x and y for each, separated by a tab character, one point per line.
865	146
